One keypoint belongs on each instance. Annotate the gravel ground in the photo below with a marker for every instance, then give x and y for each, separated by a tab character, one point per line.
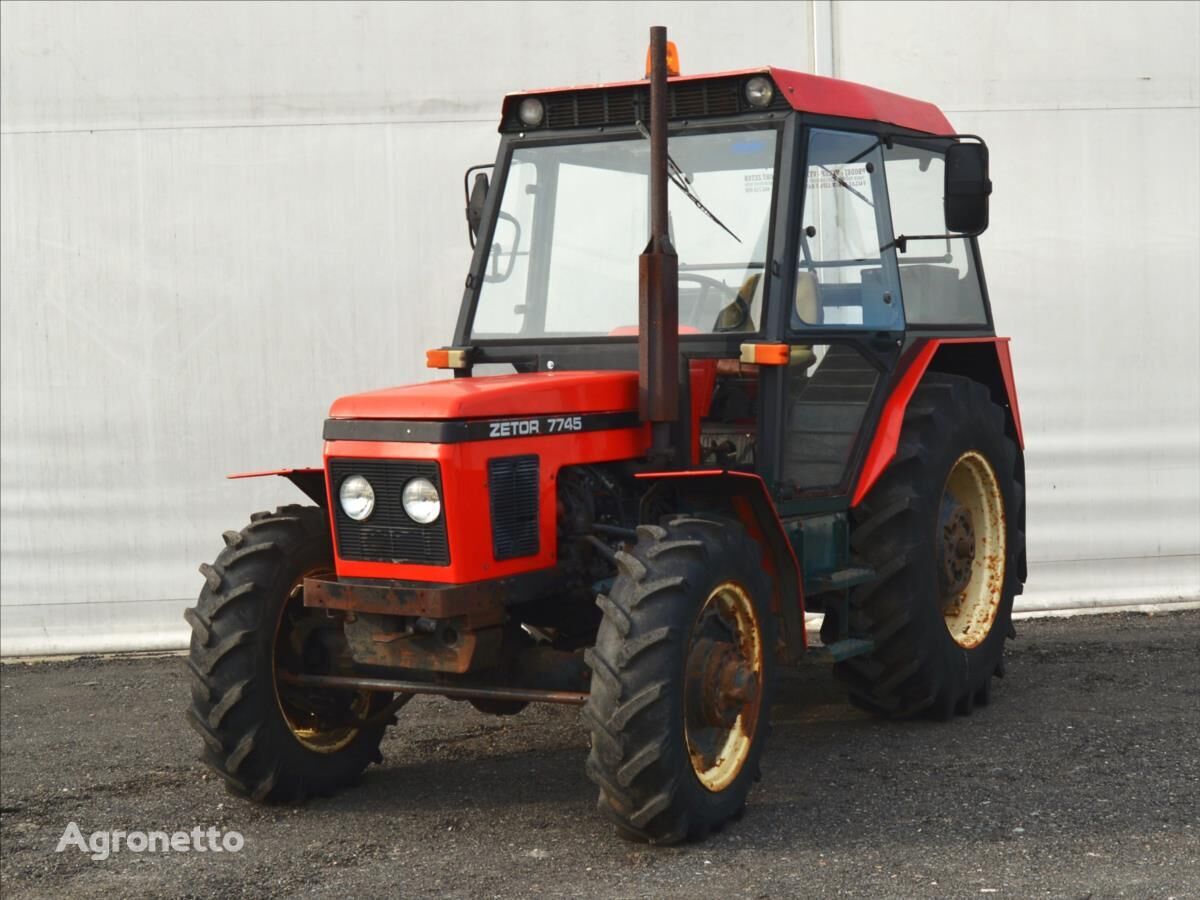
1082	779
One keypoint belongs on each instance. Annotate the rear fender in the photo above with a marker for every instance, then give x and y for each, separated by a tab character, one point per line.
310	481
744	496
982	359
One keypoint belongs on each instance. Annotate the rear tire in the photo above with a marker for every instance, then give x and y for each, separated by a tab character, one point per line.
250	617
681	680
940	607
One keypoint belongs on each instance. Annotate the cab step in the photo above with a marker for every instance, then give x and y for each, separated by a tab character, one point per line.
839	650
841	580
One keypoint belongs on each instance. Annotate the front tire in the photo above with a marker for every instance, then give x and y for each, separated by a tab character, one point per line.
681	680
268	740
941	530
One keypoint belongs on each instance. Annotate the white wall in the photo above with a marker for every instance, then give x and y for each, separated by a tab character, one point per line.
1092	116
217	218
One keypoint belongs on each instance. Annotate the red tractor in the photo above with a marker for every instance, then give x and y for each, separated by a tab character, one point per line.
794	403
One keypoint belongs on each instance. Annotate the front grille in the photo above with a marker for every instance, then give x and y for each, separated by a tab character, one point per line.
598	108
388	534
513	491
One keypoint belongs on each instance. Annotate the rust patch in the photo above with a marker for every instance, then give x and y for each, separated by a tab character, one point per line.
424	599
455	645
723	690
972	510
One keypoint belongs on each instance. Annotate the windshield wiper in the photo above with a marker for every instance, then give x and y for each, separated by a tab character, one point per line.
679	179
841	181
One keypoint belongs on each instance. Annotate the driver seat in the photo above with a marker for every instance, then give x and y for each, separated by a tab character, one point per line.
743	313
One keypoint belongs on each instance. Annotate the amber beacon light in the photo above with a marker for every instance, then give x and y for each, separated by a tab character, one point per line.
672	59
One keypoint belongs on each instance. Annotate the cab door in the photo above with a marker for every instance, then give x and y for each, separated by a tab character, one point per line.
846	310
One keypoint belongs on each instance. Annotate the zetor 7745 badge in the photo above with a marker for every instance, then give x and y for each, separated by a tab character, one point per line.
790	404
524	427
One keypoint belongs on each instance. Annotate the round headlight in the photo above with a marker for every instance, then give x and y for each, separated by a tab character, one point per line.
358	497
531	111
759	92
421	501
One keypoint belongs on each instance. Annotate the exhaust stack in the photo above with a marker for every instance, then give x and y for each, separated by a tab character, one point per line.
658	275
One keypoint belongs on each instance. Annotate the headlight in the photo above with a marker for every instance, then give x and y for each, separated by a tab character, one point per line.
531	111
358	497
759	92
421	501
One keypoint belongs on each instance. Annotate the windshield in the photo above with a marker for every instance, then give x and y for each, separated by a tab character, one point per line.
574	218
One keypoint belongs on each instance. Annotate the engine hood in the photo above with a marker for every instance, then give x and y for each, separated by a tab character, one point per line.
492	396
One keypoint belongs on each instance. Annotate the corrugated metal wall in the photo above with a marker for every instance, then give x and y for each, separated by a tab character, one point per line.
218	217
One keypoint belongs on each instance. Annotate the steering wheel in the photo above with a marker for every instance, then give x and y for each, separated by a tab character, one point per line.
707	286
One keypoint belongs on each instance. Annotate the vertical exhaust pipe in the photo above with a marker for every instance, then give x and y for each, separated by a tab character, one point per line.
658	275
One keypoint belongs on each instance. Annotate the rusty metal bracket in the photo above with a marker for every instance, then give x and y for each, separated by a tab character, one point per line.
456	645
425	599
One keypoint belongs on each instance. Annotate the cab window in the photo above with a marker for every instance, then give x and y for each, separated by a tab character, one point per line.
847	272
939	281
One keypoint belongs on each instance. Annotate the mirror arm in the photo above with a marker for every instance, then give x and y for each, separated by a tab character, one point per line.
901	240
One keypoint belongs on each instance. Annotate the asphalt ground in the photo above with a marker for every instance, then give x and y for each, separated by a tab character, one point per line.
1082	779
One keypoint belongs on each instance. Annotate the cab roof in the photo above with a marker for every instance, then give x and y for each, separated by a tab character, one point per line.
814	94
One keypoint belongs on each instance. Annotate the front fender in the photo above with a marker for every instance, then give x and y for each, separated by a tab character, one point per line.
744	496
310	481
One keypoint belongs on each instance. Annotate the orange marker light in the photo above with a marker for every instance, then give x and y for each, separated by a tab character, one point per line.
672	59
446	358
766	354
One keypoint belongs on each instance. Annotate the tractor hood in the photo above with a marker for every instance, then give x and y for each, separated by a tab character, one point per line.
491	396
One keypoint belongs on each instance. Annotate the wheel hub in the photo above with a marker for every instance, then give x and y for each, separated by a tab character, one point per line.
724	683
971	549
322	720
956	550
720	683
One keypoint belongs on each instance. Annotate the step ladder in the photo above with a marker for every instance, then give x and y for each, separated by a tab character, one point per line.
839	583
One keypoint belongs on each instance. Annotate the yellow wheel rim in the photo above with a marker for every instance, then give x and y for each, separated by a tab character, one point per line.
296	625
723	686
971	545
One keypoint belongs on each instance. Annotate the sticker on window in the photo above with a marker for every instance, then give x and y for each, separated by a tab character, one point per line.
823	178
758	182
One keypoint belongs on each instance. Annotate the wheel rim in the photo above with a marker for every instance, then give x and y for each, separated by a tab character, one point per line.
723	686
971	549
302	644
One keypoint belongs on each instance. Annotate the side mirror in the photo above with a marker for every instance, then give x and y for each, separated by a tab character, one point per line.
475	201
967	188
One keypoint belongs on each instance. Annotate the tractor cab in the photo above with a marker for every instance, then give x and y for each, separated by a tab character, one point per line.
813	248
725	358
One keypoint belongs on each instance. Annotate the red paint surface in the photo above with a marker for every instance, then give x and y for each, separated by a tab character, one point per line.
704	380
834	97
465	502
1010	387
887	435
808	93
537	393
755	526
